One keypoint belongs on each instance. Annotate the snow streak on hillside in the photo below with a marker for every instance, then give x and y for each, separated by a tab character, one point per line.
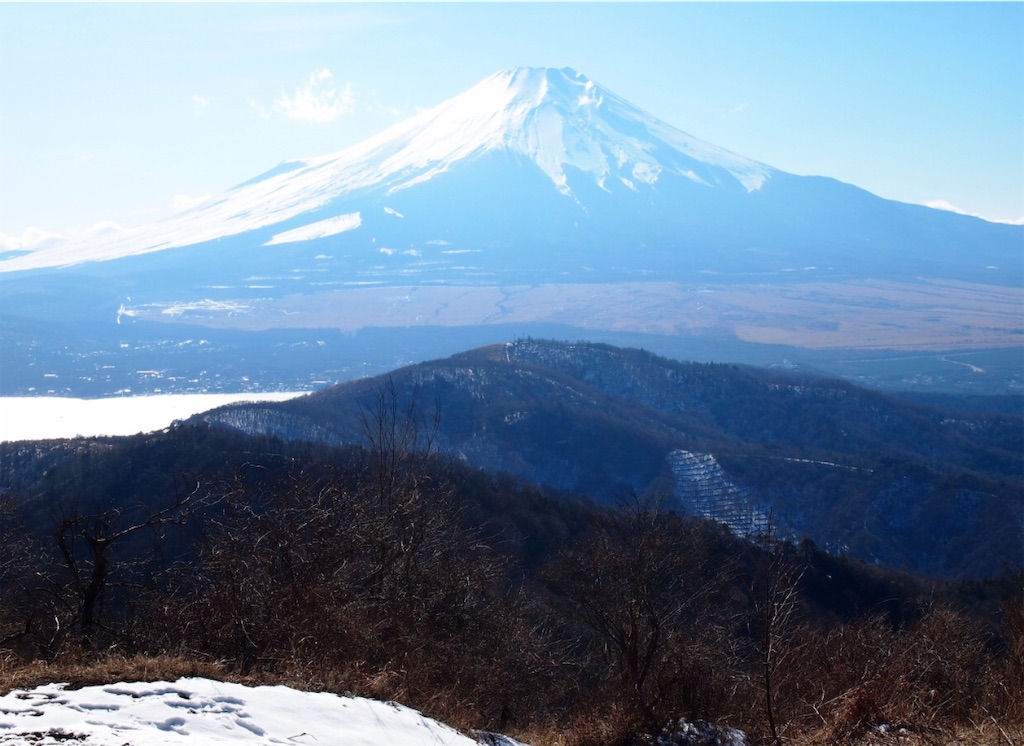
557	119
320	229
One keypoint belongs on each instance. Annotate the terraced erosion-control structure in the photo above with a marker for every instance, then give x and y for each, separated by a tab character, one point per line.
702	489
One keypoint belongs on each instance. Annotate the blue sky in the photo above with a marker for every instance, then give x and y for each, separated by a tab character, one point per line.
124	112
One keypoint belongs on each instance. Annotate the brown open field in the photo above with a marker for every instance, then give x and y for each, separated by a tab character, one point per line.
927	314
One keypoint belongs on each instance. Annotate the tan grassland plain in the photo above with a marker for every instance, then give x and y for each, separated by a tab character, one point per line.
862	314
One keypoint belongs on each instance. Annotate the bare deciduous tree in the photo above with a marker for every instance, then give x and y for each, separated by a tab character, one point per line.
86	542
774	590
635	583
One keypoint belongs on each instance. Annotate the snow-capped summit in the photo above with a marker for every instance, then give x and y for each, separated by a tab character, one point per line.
561	118
556	118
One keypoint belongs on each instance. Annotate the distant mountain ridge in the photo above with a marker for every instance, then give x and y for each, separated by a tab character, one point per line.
882	478
603	180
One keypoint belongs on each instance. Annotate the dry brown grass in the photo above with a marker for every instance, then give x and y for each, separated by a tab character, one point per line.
612	726
604	732
79	672
983	734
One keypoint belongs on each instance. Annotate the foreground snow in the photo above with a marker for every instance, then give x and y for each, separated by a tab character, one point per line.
201	711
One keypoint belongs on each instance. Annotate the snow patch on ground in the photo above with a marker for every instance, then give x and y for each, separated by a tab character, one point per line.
697	733
202	711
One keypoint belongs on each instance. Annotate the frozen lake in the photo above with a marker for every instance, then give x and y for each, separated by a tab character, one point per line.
43	417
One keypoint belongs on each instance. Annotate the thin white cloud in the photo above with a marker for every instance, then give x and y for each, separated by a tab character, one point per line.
941	204
30	238
376	107
103	227
182	202
259	109
318	100
201	101
33	239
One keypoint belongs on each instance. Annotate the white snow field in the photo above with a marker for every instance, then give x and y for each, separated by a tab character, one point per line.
194	711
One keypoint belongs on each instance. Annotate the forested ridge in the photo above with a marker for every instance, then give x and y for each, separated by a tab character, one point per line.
911	485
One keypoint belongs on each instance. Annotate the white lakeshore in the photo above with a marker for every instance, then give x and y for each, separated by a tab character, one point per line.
46	417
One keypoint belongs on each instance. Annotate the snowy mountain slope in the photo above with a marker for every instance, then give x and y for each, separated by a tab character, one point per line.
557	119
203	711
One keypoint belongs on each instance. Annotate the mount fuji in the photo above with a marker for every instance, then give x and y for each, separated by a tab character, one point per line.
537	171
534	197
